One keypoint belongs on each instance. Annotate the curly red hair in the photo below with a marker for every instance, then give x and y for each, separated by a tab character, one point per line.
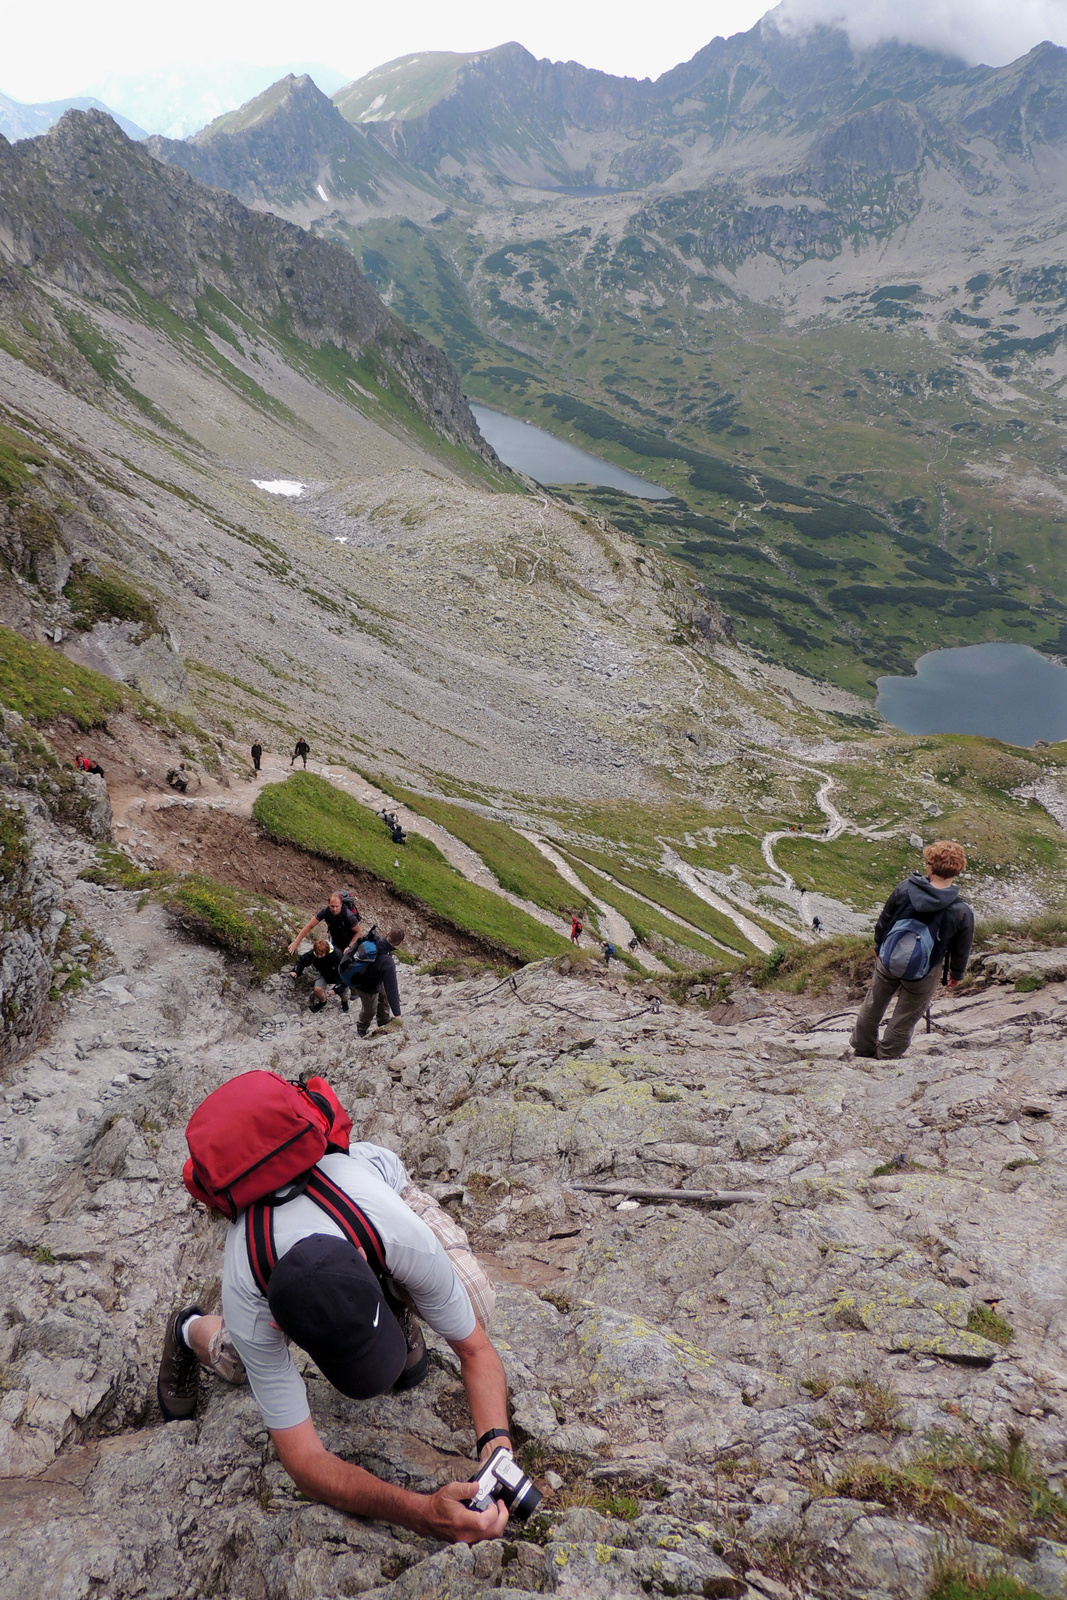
945	858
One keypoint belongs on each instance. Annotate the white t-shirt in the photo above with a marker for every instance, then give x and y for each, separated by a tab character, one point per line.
373	1177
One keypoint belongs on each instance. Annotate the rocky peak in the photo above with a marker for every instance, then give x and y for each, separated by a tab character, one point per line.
175	240
290	140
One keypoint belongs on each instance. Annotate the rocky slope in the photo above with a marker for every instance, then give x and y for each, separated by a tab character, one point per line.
732	1402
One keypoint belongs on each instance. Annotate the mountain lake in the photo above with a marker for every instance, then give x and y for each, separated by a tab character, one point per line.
1004	691
541	455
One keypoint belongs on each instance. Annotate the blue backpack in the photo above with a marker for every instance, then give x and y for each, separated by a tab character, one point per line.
362	958
907	951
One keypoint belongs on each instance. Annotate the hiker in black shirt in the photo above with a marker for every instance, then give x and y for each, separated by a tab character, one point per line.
257	754
935	901
341	918
323	957
303	750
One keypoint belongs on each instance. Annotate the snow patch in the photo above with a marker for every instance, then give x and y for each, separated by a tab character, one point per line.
288	486
321	192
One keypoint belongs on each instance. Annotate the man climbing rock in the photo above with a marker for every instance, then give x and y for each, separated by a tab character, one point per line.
323	957
341	916
302	750
296	1274
368	967
924	930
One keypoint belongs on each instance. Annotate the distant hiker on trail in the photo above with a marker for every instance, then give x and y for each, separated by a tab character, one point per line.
392	822
576	930
816	923
303	750
178	778
257	754
323	957
368	967
633	945
84	763
608	951
341	916
924	936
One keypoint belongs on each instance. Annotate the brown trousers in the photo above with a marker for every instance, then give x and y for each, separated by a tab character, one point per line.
913	997
374	1007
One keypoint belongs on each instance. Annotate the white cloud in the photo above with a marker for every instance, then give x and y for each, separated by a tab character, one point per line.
56	49
989	31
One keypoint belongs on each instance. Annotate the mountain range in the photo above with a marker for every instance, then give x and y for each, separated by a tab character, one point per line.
19	121
814	291
238	479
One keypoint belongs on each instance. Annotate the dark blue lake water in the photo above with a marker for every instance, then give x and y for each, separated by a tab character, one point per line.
550	460
1005	691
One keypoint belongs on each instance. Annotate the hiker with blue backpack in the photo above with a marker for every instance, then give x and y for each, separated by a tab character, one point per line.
924	936
368	967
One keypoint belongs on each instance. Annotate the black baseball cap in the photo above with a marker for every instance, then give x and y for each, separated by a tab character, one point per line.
325	1297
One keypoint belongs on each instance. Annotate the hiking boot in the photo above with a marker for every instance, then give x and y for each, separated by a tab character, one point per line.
418	1362
179	1371
344	994
223	1359
344	1005
315	1005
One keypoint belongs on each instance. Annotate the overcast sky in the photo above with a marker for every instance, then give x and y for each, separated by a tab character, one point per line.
61	47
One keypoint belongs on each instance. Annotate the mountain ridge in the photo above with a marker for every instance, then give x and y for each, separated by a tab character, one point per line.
126	221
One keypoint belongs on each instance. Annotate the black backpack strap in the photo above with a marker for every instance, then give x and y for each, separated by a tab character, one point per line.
338	1206
259	1238
356	1227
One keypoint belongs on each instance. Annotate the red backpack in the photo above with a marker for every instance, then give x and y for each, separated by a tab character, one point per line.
257	1133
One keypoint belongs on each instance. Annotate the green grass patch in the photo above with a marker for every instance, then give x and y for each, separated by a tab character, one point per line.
105	597
14	844
517	865
812	968
655	930
858	871
114	870
17	453
244	924
952	1583
665	891
309	812
1047	932
41	684
987	1491
990	1324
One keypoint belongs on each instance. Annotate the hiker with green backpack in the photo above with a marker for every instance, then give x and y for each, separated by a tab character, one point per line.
924	936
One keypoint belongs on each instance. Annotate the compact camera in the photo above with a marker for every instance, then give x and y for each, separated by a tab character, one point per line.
501	1478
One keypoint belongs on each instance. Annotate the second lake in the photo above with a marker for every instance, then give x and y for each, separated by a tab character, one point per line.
1004	691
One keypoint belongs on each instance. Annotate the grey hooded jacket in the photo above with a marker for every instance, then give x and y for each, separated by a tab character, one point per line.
917	897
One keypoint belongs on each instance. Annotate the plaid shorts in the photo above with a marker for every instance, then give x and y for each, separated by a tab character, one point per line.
469	1270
